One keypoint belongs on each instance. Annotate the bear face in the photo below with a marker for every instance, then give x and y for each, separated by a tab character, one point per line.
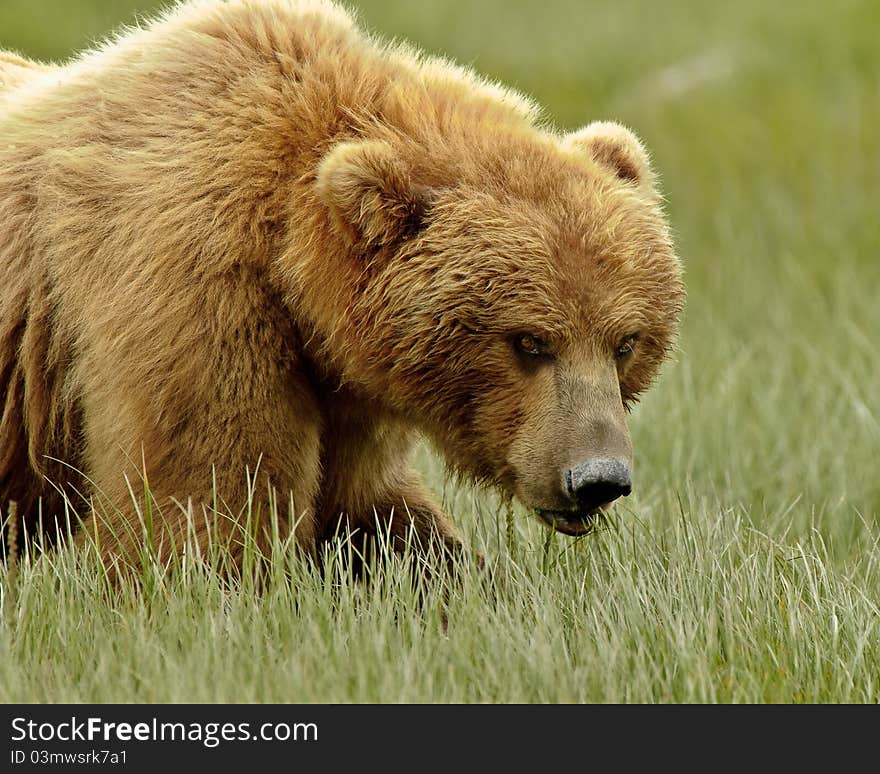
514	310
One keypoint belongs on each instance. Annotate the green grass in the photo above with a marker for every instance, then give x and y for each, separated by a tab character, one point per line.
747	565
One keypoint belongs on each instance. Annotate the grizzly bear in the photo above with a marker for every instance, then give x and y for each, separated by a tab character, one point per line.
250	254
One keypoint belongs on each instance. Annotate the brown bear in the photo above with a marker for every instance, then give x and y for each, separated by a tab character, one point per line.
249	249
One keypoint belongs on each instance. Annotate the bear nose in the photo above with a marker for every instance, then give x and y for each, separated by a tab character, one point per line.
598	481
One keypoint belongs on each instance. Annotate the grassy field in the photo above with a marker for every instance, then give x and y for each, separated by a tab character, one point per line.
746	567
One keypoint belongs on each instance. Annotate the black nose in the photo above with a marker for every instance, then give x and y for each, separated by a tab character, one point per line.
596	482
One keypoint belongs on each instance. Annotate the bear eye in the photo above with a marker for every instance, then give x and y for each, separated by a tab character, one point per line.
626	346
529	344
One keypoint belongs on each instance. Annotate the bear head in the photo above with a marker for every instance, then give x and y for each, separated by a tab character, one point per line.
512	294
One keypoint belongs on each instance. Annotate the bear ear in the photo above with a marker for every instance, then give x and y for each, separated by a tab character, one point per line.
370	193
614	147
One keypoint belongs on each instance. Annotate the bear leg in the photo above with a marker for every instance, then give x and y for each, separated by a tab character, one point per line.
405	517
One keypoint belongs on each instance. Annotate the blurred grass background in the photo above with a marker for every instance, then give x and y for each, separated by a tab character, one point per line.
746	566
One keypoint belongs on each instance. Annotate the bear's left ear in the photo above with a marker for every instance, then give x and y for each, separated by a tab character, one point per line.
614	147
370	193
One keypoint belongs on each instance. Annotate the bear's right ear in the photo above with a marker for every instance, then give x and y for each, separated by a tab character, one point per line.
370	193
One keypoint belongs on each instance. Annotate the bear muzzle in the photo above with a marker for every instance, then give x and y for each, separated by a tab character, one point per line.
592	486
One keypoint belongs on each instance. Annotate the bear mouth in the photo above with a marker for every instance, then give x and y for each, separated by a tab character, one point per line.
575	523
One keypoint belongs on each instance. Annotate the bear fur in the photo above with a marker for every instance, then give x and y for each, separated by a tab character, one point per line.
249	250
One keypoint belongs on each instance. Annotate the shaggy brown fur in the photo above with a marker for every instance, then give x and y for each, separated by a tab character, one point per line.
249	236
